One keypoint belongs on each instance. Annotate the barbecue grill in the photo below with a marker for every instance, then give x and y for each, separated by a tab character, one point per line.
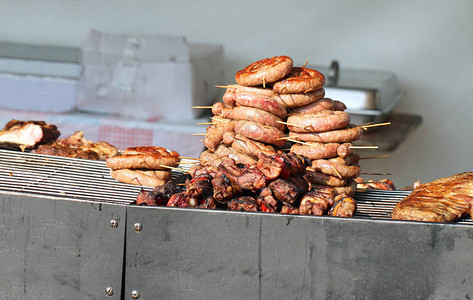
71	231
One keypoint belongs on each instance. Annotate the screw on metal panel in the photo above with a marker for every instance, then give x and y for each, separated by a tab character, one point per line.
109	291
138	227
113	223
135	294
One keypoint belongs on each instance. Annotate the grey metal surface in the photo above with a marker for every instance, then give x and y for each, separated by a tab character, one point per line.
199	254
52	248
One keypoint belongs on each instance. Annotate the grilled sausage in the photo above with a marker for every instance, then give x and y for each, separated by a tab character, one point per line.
316	150
260	132
223	151
257	115
316	106
250	147
146	157
336	169
322	121
349	134
136	178
267	70
300	80
261	102
221	110
215	133
296	100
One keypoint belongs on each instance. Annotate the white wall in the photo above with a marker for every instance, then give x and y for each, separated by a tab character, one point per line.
428	44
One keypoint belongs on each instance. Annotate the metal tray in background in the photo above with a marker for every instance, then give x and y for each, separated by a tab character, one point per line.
370	96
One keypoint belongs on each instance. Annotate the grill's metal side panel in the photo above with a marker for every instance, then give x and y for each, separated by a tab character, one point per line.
182	254
59	249
222	255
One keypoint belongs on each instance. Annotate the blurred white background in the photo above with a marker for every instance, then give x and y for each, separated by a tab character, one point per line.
427	44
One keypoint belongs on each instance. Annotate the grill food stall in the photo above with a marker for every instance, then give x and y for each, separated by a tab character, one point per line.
71	231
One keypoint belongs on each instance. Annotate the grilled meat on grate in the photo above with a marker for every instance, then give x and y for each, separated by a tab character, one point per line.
443	200
27	134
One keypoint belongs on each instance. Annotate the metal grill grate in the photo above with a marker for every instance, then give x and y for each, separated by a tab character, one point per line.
62	177
80	179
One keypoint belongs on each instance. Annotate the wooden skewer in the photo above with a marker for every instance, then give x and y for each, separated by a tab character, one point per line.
375	125
296	141
336	171
193	158
223	86
375	173
370	157
188	162
199	134
369	123
173	168
201	106
206	123
305	64
295	125
364	147
286	138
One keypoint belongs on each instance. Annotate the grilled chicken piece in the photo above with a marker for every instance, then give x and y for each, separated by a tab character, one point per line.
344	206
317	202
443	200
27	134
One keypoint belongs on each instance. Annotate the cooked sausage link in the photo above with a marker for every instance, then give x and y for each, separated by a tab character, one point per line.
266	70
300	80
257	115
295	100
262	102
316	150
349	134
260	132
322	121
336	169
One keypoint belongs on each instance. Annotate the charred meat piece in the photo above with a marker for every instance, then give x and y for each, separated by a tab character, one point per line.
244	177
159	196
344	206
76	146
27	134
199	186
223	188
178	200
243	203
288	209
286	191
317	202
209	203
266	200
166	190
282	165
147	198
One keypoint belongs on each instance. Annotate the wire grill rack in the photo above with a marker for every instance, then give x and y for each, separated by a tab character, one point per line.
80	179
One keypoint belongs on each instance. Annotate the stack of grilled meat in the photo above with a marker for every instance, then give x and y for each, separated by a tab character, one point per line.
276	183
246	165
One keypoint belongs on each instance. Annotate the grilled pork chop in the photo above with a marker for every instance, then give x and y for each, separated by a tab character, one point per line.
443	200
27	134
